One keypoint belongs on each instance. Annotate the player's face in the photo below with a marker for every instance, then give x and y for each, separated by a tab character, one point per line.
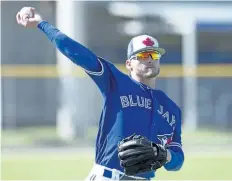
145	65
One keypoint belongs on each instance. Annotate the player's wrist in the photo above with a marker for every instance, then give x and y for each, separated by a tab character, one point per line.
161	151
169	156
40	21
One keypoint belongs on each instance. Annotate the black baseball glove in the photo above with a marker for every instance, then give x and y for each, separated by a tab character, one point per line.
137	155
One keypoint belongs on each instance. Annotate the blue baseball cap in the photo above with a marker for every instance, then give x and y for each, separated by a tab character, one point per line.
143	43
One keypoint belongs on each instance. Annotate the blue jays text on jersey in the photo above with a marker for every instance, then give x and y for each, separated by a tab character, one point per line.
129	106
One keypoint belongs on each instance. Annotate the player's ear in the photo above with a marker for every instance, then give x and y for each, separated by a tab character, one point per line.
128	64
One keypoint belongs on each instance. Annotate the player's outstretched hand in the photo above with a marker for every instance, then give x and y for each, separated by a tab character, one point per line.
28	17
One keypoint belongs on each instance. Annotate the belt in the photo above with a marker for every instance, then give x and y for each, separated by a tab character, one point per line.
108	174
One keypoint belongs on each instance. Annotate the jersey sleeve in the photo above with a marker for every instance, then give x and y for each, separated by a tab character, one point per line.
97	68
106	79
175	148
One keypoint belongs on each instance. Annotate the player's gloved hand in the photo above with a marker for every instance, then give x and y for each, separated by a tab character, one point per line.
137	155
28	17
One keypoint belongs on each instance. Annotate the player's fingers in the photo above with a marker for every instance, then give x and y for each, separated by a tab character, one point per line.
24	17
24	22
32	9
31	20
18	18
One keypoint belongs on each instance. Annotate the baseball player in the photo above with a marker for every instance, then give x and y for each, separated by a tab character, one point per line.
140	126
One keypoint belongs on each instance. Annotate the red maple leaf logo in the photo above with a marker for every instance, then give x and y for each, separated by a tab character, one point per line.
148	42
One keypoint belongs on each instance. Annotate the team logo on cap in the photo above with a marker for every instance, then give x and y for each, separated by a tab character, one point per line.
148	42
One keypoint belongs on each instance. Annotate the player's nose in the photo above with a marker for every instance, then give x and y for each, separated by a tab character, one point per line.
149	60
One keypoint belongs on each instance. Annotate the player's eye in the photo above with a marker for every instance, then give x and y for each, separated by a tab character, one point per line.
146	55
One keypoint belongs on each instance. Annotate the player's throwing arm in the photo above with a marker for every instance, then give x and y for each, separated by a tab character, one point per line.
80	55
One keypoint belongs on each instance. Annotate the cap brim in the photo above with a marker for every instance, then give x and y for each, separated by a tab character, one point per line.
160	50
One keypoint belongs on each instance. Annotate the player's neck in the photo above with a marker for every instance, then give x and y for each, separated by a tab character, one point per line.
150	82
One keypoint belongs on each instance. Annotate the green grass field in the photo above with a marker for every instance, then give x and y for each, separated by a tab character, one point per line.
74	166
28	136
66	166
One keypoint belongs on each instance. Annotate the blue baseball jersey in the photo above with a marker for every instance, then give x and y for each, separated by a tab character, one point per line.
129	106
